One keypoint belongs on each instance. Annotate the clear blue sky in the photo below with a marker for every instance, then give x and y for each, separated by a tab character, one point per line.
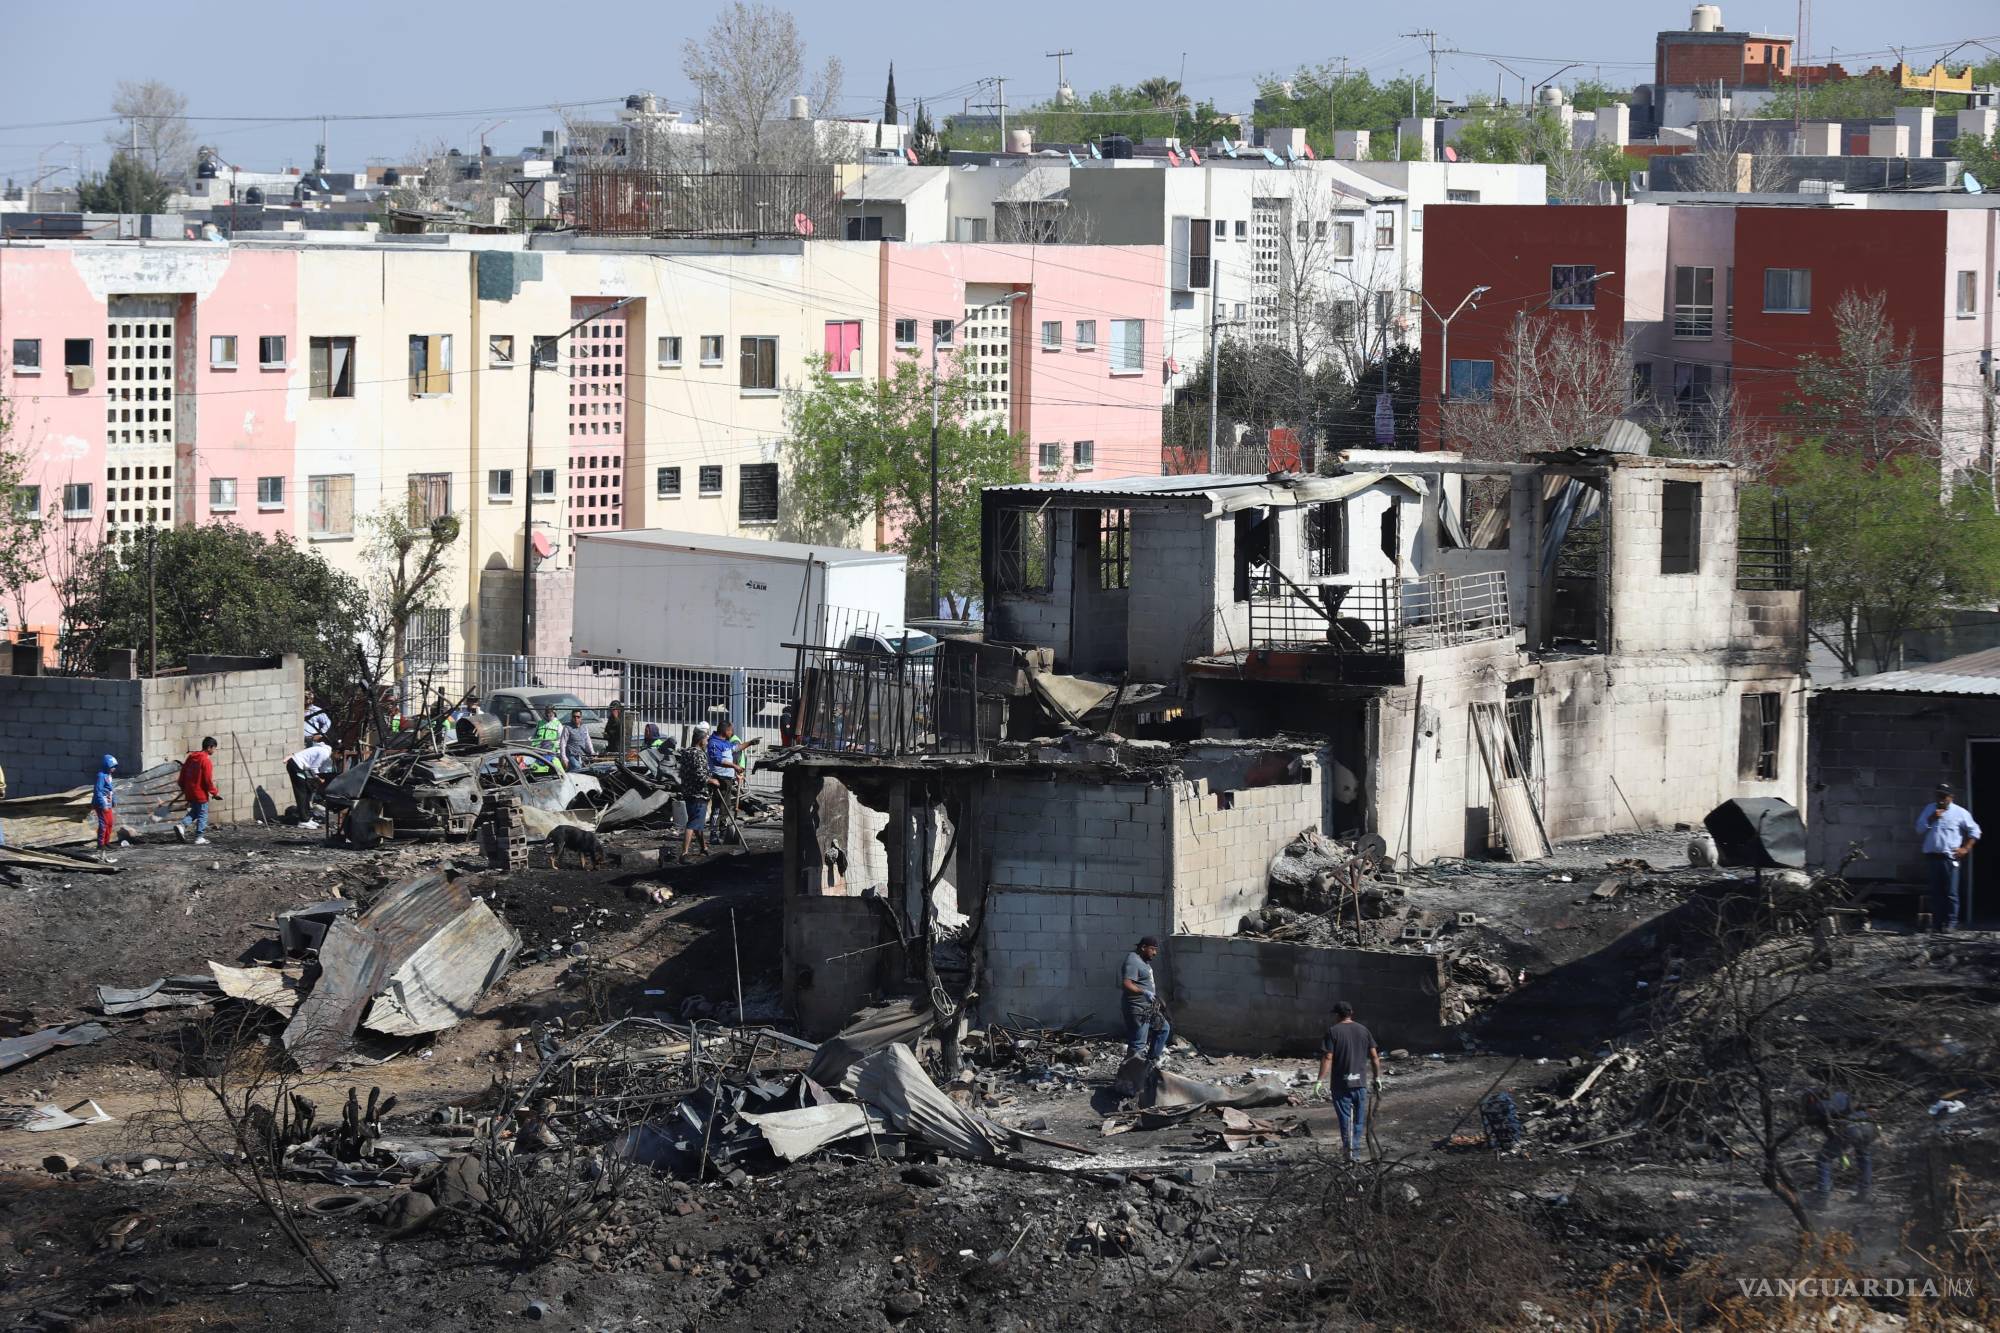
378	57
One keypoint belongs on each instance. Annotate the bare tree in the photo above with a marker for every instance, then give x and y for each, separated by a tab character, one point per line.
21	523
746	68
1726	157
437	180
155	129
408	555
1553	387
1866	397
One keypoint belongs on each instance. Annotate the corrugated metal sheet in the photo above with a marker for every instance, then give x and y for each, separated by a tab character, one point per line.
1972	674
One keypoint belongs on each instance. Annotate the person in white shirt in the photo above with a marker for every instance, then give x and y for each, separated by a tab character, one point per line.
305	769
318	723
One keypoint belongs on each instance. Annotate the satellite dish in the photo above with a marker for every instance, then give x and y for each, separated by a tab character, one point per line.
1450	153
1173	158
802	224
1972	185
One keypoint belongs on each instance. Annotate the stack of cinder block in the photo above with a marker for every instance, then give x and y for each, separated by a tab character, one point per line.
506	832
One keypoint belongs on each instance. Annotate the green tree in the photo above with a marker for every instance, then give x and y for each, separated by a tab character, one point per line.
1321	99
1981	157
924	138
1590	95
1884	555
408	555
126	186
1870	97
1137	113
220	590
861	448
20	521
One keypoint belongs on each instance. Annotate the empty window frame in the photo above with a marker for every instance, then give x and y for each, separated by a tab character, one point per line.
757	493
1762	722
867	228
1680	527
1788	291
331	368
430	365
1326	539
1021	561
1694	302
1573	286
1114	548
500	351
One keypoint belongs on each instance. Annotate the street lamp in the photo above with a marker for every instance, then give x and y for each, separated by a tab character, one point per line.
1553	77
937	338
528	511
1471	300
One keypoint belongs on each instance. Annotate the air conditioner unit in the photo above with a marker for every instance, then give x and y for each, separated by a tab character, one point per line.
81	377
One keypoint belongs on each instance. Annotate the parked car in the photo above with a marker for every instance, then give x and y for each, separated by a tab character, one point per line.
891	641
520	712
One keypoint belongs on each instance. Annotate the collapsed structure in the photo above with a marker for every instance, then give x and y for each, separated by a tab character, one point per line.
1418	655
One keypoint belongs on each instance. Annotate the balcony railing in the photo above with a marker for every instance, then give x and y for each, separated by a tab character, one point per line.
887	704
1379	617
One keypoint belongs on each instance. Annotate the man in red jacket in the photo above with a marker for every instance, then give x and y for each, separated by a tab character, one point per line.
198	788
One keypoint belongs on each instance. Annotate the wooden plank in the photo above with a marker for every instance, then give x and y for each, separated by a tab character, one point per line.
1513	808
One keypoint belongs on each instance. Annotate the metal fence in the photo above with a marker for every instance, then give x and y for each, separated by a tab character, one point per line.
706	204
670	695
888	704
1380	616
1764	559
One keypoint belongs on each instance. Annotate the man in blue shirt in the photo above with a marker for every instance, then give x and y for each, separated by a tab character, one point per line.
1949	832
723	766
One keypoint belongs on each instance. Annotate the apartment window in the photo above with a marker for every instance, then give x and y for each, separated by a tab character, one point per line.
864	228
1380	300
1761	721
1086	335
1968	293
1573	286
1642	381
27	356
76	500
1128	346
1114	548
968	229
27	502
331	367
843	348
667	483
1200	254
1729	302
1326	539
1048	456
757	493
430	365
76	353
270	492
1461	196
758	365
330	506
1470	382
1680	527
271	351
1242	229
222	494
942	331
544	350
1221	229
711	349
543	483
1051	335
500	351
1385	230
222	351
1343	240
1694	302
670	351
710	479
1083	454
430	496
906	333
1788	291
500	485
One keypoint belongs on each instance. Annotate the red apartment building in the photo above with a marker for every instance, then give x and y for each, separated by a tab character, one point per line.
1718	302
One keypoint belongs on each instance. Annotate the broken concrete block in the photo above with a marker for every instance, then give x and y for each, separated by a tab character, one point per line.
59	1164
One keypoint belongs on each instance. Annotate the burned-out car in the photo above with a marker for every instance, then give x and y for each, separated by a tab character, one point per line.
413	789
524	769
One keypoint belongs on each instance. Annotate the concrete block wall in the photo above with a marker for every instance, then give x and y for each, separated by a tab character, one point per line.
1260	996
1077	871
254	717
1875	758
1450	788
1221	857
1042	619
55	729
1655	612
824	988
1768	622
1182	600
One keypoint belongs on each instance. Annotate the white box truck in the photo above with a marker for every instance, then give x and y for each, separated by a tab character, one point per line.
683	597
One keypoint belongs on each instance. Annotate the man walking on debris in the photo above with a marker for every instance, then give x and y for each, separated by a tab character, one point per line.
104	800
1846	1132
198	789
1348	1059
1147	1030
304	769
1949	832
577	751
691	770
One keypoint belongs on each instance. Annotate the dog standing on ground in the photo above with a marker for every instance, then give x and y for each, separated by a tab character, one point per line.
589	848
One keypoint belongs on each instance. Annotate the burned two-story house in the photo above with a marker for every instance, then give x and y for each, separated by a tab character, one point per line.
1491	655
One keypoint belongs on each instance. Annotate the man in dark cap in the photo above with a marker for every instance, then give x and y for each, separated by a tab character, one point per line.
1949	832
1146	1028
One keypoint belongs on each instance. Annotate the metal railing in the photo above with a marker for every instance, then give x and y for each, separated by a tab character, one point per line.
1382	616
706	204
1764	560
888	704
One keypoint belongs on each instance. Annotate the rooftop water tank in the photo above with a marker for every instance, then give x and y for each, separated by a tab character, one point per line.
1706	18
801	108
1020	141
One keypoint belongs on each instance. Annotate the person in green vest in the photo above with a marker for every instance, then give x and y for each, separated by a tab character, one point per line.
548	738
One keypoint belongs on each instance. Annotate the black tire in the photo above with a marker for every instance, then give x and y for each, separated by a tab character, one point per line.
361	824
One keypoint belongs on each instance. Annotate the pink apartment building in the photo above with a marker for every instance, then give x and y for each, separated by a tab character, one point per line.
148	388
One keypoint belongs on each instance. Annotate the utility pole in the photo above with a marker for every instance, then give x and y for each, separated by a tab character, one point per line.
1430	40
1214	353
152	605
1000	83
1062	84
